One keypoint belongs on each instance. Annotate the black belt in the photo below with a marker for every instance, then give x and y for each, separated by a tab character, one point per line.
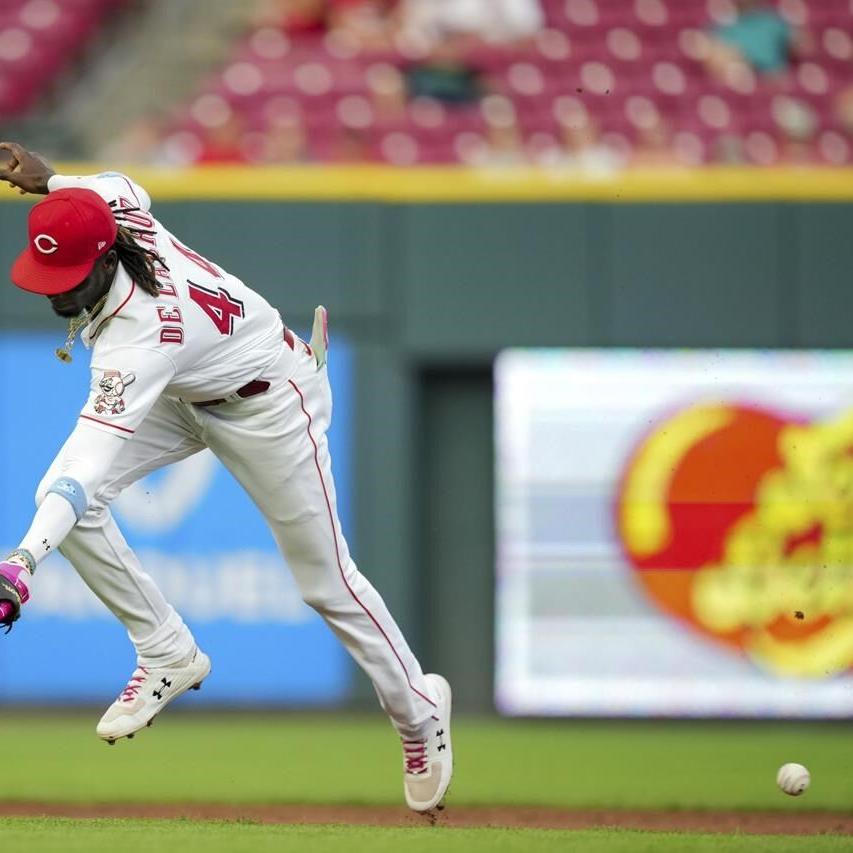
250	389
256	386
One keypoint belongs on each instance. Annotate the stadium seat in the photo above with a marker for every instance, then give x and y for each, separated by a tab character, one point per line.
607	54
38	39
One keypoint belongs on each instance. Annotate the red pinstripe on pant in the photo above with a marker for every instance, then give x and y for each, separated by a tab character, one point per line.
337	551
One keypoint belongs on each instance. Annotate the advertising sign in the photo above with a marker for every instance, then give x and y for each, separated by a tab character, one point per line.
196	532
675	533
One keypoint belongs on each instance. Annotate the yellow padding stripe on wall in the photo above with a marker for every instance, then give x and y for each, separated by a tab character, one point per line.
460	185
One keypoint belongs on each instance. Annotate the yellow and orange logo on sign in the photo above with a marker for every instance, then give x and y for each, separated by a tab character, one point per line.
739	521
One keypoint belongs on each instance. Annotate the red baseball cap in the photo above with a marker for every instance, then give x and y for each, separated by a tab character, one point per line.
69	231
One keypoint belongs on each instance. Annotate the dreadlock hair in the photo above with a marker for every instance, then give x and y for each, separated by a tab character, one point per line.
139	262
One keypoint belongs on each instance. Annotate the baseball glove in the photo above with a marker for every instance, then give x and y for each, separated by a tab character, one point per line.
320	335
10	604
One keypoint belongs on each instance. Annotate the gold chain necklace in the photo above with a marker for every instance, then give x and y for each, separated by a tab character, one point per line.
83	319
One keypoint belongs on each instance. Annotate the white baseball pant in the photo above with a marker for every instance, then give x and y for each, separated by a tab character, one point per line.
275	445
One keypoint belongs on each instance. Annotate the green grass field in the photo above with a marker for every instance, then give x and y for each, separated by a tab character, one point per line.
193	757
71	835
200	757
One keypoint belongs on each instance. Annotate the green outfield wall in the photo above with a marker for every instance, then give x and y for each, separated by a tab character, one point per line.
428	286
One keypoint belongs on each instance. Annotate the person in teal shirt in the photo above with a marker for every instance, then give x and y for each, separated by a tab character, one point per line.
759	37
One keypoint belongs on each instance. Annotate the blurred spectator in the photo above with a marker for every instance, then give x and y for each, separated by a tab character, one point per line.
504	141
844	110
387	87
653	147
798	125
582	146
584	149
758	37
285	142
445	77
368	23
354	126
493	21
293	16
350	146
223	142
444	31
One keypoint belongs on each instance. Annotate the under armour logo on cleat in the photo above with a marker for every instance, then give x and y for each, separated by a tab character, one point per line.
164	685
441	744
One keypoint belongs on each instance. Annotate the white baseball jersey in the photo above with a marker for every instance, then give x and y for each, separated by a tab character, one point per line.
205	336
202	338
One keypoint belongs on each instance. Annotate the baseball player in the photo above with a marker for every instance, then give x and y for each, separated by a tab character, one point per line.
185	356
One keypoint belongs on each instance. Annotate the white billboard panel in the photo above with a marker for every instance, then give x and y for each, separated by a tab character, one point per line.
675	533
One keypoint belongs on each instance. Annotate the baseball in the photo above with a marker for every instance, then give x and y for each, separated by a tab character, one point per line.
793	779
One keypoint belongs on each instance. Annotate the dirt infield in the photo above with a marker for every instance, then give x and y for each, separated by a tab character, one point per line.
770	823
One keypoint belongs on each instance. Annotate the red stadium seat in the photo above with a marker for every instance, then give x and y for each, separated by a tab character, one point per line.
38	38
607	55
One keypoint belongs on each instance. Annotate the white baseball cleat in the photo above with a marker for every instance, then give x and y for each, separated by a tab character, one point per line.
149	690
428	763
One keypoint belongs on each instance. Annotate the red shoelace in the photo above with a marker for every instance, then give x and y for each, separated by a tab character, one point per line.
129	692
415	753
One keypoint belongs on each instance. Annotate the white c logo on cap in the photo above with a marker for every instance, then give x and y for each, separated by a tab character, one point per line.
45	244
